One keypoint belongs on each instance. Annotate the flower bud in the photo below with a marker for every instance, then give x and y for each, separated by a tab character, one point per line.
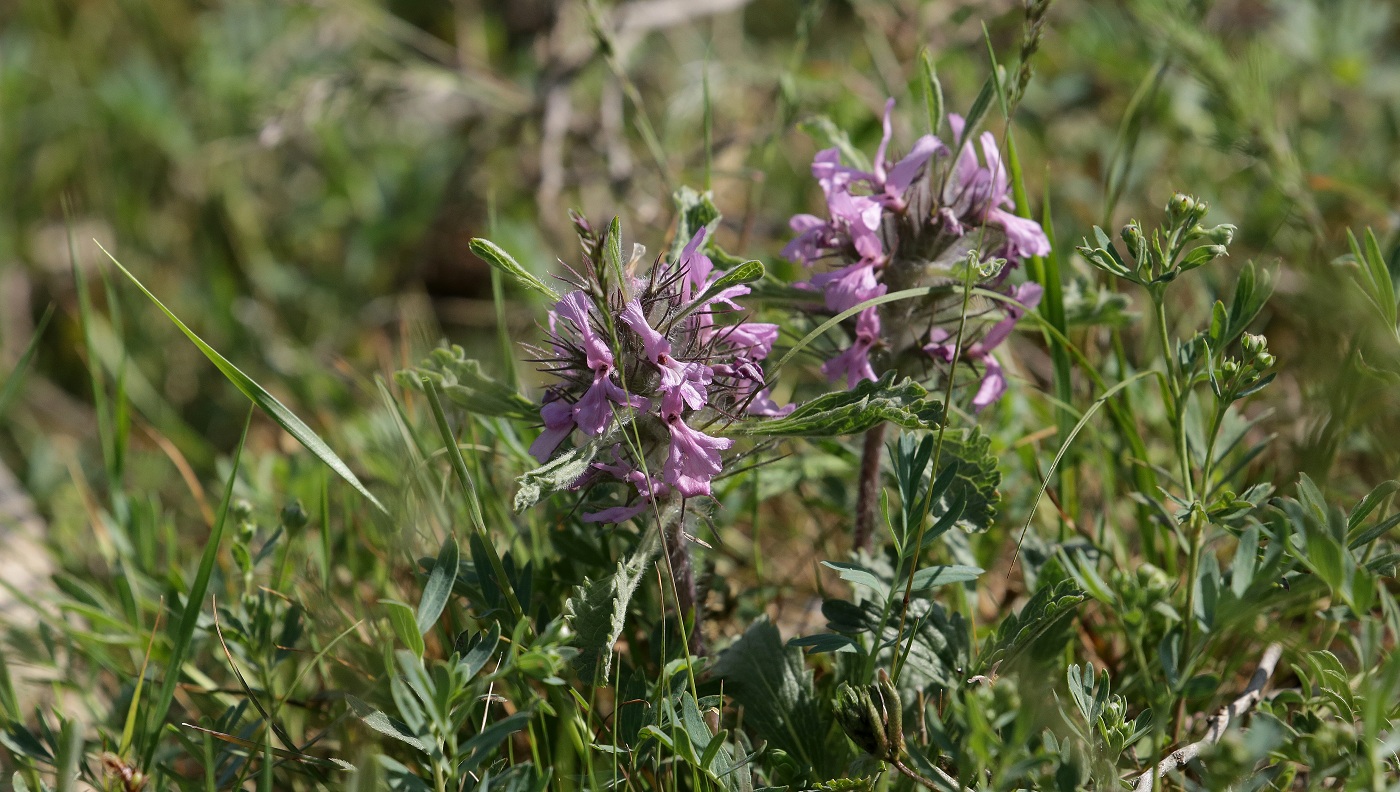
892	713
1180	206
1253	344
1222	234
294	515
240	510
861	721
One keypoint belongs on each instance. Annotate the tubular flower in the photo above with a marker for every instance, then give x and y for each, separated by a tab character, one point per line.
910	223
648	361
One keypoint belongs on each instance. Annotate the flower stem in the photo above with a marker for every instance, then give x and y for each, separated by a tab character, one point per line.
683	575
868	488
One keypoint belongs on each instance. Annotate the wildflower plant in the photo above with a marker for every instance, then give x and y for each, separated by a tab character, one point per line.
936	215
600	569
641	361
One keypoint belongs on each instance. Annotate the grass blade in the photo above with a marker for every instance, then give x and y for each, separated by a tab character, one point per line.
189	616
259	396
10	391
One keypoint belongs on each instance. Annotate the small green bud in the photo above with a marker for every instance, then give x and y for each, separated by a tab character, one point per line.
240	510
860	719
1253	344
1222	234
1264	360
892	714
1132	235
1180	205
294	515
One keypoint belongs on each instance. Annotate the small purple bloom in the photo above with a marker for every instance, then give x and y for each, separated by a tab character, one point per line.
854	362
693	459
850	286
558	418
763	404
753	339
942	345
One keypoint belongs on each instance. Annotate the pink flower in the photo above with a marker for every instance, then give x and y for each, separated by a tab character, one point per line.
891	182
558	418
680	379
850	286
693	459
854	362
942	345
763	404
754	340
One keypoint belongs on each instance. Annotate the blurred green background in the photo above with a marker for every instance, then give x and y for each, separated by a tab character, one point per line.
298	180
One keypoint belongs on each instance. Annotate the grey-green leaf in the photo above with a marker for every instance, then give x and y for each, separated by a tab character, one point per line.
439	586
869	404
494	255
772	684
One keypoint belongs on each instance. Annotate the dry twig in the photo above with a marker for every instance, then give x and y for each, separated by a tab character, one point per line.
1217	725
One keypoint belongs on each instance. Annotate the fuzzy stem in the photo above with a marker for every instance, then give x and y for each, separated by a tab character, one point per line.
868	489
683	576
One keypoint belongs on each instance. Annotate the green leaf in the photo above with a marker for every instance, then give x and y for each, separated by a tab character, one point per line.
933	92
859	575
775	689
439	586
556	474
747	272
479	748
694	210
935	576
405	625
462	380
1043	623
978	477
12	382
869	404
476	650
822	643
385	725
274	408
492	254
598	610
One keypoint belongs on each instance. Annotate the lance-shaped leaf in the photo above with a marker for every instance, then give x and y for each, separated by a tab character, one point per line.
871	403
259	396
598	609
462	380
494	255
556	474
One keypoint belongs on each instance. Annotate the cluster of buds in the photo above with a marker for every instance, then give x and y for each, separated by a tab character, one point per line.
872	717
1234	379
641	362
906	224
1169	252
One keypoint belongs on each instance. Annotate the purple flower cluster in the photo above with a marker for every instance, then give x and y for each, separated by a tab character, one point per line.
638	360
889	223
